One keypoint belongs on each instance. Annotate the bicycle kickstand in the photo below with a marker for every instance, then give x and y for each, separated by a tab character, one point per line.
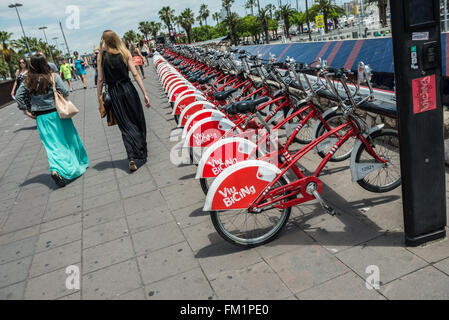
312	189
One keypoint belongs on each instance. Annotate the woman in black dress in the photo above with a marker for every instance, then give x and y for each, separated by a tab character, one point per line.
114	64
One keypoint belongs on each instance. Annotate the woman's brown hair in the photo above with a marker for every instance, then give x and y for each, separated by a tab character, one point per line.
38	80
112	43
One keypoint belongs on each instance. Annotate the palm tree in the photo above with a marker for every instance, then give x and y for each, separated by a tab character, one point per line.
145	28
271	8
328	9
167	15
216	16
250	4
285	12
232	19
187	19
204	14
7	51
264	17
129	36
382	5
154	28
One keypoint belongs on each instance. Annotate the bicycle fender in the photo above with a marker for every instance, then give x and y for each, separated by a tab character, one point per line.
355	173
207	131
183	101
178	90
200	115
171	83
175	86
239	185
166	77
223	154
191	109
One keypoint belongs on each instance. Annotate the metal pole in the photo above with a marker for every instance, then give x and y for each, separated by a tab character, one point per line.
20	21
65	40
46	42
308	22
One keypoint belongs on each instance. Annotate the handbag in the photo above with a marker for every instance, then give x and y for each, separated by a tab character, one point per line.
66	109
137	61
106	107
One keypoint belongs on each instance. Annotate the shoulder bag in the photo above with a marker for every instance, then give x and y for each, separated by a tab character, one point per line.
66	109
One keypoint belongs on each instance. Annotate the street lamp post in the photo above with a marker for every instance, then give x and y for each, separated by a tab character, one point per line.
56	42
24	36
46	42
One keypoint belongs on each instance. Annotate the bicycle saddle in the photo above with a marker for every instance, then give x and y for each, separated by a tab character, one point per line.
223	95
248	106
206	79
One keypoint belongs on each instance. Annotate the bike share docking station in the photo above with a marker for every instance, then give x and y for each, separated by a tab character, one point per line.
417	65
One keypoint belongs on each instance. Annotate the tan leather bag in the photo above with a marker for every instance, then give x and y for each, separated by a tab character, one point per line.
66	109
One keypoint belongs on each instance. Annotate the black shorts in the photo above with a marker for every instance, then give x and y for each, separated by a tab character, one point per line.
144	54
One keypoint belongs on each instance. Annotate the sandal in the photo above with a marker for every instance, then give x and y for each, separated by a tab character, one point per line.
132	166
60	182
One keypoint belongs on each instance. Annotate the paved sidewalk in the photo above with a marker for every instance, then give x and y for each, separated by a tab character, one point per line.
144	235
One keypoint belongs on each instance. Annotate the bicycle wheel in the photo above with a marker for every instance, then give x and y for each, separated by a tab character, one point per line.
387	177
334	120
205	183
246	229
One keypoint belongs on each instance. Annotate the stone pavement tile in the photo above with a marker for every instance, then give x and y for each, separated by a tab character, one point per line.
17	250
225	257
104	232
443	266
166	262
30	201
191	215
22	220
157	238
137	294
111	281
148	219
202	235
61	222
7	204
18	235
70	191
60	257
425	284
101	200
190	285
73	296
348	286
289	239
103	214
63	208
100	189
98	177
48	286
187	196
137	178
245	284
58	237
386	252
14	271
9	194
135	190
432	252
106	254
14	292
342	232
306	267
143	202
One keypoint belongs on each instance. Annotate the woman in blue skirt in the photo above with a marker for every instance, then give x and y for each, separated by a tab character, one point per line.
80	66
65	151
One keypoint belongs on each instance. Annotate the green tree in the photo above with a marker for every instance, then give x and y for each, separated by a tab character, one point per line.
154	28
232	19
250	4
167	15
329	10
271	8
204	14
264	22
216	16
7	51
145	28
285	13
187	19
130	36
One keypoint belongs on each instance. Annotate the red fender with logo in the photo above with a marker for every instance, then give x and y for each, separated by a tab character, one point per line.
191	109
207	131
200	115
223	154
239	185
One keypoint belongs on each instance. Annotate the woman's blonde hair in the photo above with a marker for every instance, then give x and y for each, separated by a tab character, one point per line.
112	43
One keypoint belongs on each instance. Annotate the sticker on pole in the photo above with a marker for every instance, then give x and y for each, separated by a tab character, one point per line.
424	94
319	19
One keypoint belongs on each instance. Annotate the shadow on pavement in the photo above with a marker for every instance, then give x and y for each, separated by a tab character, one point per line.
26	129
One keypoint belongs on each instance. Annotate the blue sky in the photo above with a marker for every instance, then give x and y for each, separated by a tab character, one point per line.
95	16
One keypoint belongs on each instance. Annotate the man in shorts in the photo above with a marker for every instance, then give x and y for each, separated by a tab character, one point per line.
66	73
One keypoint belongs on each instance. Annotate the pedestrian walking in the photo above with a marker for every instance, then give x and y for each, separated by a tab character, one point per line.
80	66
137	58
94	65
20	76
67	157
114	64
144	50
74	76
65	71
